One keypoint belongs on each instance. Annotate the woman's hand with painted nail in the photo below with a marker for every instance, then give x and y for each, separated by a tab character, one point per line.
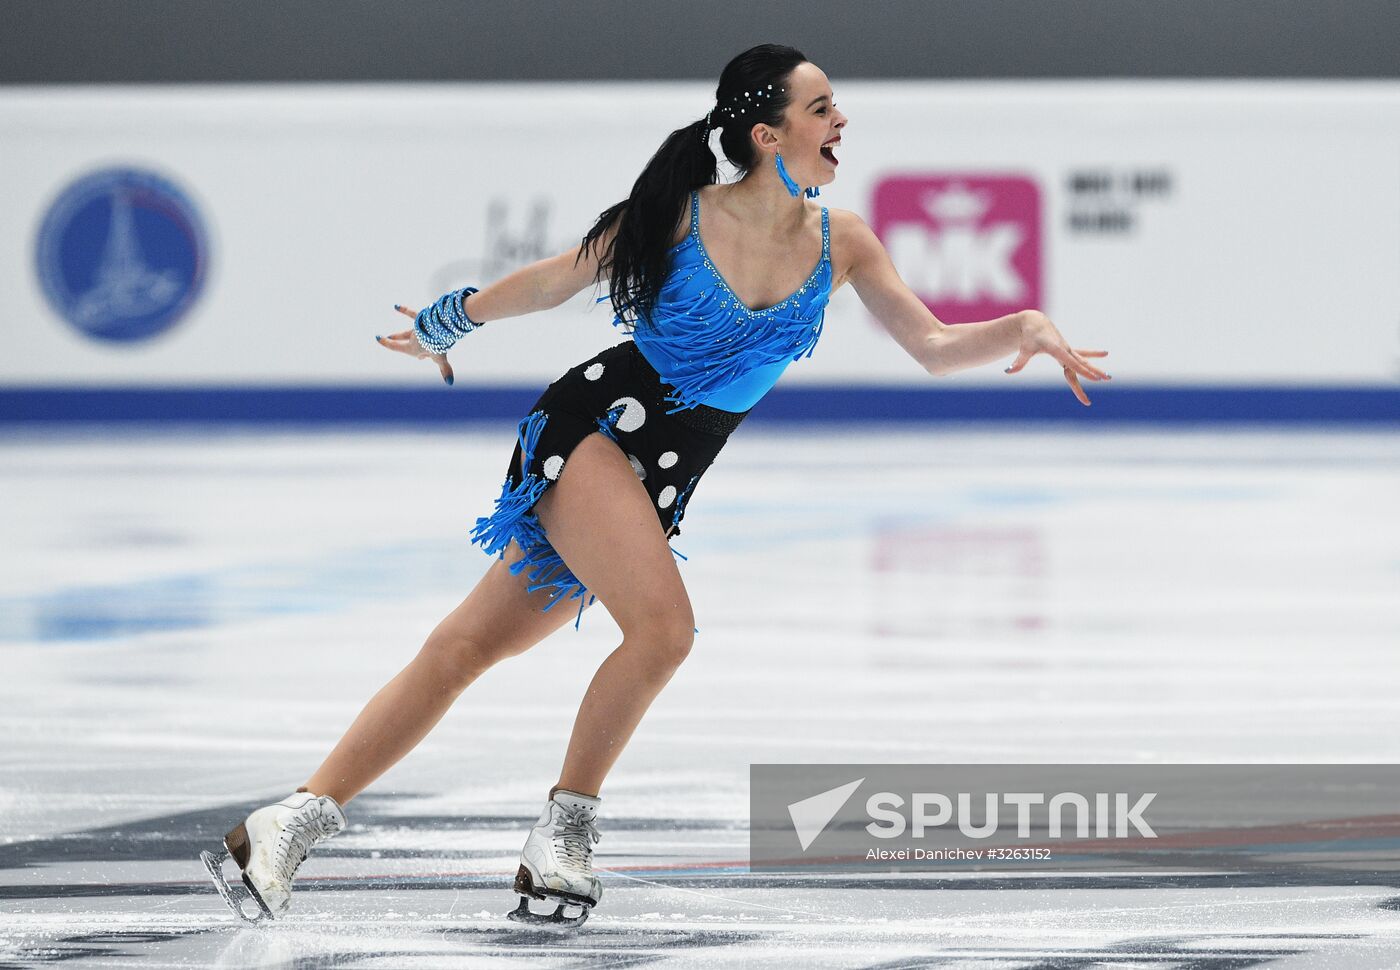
1040	336
406	343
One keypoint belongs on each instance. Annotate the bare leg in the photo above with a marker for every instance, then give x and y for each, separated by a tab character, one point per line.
620	693
497	620
623	558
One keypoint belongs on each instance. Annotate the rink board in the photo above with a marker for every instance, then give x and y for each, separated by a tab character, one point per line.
1231	243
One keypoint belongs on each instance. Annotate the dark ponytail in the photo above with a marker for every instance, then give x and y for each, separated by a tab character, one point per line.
637	259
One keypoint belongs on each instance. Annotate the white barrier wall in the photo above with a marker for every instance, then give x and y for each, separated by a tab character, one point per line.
1220	233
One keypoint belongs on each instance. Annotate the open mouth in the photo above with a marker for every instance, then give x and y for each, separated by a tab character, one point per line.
829	155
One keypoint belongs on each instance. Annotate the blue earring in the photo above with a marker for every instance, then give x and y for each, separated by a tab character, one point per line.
810	192
792	188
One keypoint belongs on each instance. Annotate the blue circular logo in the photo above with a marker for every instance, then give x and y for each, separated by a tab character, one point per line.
122	254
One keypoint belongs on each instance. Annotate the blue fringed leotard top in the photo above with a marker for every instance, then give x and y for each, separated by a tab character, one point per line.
711	347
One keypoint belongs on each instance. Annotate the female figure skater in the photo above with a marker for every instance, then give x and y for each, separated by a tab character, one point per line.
608	457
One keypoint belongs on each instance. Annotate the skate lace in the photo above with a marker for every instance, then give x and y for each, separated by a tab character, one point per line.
300	832
573	841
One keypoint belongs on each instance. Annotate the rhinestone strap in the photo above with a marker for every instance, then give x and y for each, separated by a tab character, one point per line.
793	300
441	324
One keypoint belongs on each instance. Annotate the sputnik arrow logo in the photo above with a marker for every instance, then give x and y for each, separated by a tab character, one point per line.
811	815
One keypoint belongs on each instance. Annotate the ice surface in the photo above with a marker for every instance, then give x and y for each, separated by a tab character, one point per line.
189	620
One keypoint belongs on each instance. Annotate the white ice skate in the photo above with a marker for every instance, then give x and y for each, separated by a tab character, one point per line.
268	846
556	864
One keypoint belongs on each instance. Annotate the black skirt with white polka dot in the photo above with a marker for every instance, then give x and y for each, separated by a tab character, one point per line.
618	393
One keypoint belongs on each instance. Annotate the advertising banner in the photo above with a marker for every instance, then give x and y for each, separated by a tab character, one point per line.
1211	235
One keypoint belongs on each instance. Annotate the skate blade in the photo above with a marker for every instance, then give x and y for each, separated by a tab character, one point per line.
558	919
235	896
570	909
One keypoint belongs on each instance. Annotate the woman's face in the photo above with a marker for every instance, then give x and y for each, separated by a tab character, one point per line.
811	120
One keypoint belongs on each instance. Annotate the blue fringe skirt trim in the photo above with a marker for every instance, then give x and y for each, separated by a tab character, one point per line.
513	519
668	453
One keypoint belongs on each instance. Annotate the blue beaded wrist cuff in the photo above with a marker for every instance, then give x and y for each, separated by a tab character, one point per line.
443	323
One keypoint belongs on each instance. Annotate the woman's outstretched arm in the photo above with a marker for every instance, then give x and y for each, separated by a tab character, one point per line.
942	349
543	285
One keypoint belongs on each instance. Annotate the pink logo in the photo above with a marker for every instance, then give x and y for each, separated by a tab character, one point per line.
968	245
